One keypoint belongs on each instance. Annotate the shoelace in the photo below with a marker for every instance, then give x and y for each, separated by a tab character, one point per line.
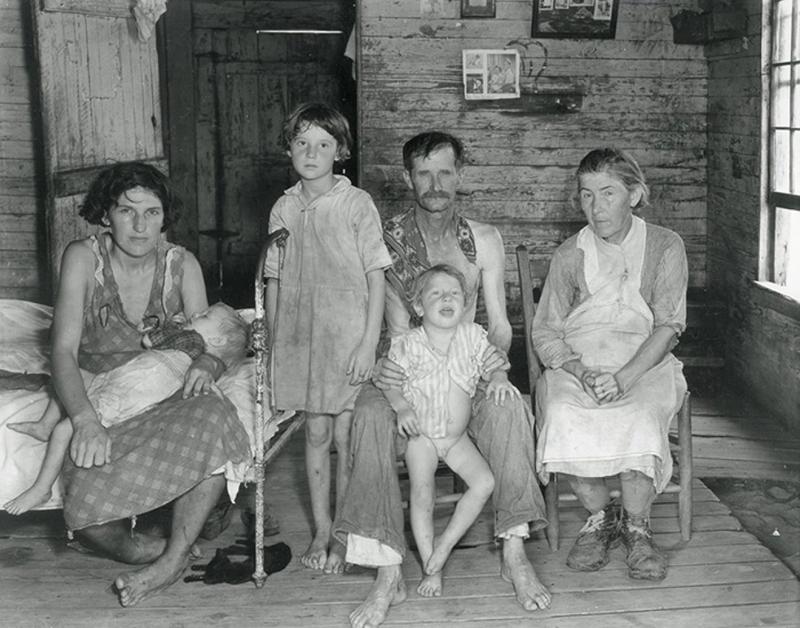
594	522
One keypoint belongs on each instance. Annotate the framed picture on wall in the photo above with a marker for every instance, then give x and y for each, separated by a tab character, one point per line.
478	8
575	19
490	74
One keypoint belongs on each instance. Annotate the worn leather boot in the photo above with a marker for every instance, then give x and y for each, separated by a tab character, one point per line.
600	531
645	561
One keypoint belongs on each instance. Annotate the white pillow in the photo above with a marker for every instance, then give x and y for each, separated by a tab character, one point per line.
25	336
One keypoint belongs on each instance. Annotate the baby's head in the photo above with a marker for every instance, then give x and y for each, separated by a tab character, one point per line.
224	332
439	296
326	118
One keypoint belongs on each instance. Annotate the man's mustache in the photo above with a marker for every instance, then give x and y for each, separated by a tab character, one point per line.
443	195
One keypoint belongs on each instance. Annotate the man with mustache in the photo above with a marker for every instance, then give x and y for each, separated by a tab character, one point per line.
371	518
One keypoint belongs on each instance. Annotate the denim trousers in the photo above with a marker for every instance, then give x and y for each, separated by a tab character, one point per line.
372	506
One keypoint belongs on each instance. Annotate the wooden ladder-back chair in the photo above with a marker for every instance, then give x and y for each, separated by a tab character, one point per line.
532	274
271	431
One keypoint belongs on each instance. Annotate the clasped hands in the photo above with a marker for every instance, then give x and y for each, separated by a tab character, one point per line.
601	386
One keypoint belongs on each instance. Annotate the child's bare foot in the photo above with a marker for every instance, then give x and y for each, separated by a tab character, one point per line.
335	564
316	555
134	587
431	585
438	558
37	429
23	502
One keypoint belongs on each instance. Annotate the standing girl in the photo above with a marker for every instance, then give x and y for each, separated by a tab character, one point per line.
324	305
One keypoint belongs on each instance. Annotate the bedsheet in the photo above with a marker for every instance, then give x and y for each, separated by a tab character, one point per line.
24	348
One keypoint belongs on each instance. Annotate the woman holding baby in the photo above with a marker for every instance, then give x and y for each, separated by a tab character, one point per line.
113	286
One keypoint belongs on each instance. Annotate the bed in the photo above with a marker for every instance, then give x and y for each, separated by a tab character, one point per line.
25	362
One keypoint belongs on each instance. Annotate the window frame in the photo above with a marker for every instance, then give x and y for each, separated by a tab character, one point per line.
772	200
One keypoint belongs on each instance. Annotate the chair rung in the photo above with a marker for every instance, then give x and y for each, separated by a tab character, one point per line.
450	498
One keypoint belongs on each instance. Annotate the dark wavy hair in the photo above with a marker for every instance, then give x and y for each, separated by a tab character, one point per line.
428	142
117	179
325	117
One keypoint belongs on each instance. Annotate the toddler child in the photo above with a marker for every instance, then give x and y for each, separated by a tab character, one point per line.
442	362
131	388
324	306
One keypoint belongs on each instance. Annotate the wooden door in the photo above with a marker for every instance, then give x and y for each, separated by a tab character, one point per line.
99	94
247	83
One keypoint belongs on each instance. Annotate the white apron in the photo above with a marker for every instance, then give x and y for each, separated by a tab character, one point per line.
579	436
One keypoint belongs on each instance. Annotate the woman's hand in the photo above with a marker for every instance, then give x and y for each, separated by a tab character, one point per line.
606	388
387	374
407	423
587	379
360	364
199	378
90	445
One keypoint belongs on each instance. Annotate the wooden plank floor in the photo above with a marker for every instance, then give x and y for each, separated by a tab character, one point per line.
723	577
733	437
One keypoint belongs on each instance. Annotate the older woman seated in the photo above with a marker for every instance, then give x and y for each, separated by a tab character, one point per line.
612	307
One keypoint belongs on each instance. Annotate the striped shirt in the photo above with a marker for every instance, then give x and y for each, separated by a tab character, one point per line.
429	372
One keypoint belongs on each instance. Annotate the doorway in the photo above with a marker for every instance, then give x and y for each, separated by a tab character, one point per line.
252	63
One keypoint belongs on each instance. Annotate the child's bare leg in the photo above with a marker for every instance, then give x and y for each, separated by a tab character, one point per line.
51	467
465	459
319	428
44	426
341	438
421	460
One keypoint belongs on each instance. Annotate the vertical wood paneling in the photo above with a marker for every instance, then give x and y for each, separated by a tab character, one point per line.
22	243
763	345
641	92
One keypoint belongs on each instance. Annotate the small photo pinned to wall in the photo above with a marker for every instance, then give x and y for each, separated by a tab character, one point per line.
490	74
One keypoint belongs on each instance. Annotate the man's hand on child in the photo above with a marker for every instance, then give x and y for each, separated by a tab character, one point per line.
499	388
388	374
407	423
360	364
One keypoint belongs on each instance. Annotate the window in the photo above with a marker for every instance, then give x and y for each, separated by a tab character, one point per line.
782	238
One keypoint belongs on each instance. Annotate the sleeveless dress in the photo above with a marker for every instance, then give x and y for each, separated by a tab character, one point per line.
165	451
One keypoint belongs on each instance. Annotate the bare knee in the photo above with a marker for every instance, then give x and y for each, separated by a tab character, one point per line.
319	430
341	433
483	486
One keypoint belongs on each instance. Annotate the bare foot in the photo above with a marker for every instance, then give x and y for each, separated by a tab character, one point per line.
517	569
389	589
134	587
38	429
438	558
335	564
34	496
316	555
431	585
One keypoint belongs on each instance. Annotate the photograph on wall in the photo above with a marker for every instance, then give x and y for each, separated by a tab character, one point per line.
490	74
478	8
575	19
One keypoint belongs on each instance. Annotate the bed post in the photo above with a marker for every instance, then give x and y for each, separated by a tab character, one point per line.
261	346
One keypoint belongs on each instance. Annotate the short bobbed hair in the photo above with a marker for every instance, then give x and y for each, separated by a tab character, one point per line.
618	164
113	181
424	278
325	117
424	144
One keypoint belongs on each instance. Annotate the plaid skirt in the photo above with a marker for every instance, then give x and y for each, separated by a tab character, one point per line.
155	458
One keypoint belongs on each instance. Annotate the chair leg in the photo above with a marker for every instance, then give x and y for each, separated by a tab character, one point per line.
685	466
551	506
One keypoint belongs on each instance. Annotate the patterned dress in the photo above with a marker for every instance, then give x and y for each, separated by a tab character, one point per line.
165	451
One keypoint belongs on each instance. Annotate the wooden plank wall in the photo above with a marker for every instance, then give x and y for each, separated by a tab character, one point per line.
642	93
763	344
22	242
